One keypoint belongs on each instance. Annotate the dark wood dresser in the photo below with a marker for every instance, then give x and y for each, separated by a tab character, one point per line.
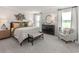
49	29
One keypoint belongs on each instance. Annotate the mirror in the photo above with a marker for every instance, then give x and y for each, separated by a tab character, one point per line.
48	19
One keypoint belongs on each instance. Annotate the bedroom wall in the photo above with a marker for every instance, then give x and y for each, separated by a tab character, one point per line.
29	15
8	15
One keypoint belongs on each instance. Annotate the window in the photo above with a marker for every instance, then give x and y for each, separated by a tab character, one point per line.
37	20
66	20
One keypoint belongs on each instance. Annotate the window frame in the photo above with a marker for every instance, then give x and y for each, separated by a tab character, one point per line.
62	20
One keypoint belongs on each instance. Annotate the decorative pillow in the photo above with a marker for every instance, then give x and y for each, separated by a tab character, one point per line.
22	24
68	30
30	24
25	24
16	25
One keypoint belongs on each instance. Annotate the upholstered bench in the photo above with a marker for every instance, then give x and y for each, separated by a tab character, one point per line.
34	36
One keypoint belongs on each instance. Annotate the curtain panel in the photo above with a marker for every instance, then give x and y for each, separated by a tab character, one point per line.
73	19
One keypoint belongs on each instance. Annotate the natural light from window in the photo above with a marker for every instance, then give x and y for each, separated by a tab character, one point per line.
66	20
37	20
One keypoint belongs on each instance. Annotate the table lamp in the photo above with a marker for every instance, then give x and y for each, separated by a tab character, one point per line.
2	22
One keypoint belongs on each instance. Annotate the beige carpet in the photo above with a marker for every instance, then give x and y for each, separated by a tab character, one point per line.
50	44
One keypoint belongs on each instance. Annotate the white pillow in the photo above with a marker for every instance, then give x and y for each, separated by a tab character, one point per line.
68	30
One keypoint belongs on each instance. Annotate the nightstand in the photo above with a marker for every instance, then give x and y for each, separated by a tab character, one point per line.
4	34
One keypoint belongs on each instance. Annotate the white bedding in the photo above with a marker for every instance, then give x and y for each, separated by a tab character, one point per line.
21	33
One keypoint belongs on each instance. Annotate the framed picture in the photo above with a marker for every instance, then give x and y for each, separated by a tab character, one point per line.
20	16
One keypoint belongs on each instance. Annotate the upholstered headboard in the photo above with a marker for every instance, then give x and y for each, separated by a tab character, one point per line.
18	24
14	25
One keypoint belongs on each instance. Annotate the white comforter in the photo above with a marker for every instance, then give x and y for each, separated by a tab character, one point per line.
22	33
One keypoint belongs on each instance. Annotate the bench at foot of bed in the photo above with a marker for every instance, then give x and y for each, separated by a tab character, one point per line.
34	36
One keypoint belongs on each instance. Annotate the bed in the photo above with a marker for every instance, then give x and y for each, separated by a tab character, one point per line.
22	33
17	24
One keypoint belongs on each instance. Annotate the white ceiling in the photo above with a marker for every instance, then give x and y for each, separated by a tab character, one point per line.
35	8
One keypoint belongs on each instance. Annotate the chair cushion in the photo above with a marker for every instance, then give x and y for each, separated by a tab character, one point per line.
68	31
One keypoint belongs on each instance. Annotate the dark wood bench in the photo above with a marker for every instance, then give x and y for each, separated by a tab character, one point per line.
34	36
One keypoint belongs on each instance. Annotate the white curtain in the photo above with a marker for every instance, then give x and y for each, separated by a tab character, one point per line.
73	19
59	20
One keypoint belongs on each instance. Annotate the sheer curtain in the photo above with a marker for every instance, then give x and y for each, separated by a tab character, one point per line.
73	19
59	20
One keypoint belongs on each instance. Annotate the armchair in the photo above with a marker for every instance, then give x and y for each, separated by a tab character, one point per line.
67	35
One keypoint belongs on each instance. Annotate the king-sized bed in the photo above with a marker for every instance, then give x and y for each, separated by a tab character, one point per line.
22	33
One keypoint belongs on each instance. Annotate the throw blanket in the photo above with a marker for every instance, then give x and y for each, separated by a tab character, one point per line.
22	33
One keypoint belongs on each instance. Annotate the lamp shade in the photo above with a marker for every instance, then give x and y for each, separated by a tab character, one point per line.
3	21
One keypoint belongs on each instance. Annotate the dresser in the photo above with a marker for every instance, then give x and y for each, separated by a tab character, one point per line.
4	34
49	29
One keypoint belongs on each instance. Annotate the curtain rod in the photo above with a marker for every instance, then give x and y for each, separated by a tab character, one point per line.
67	8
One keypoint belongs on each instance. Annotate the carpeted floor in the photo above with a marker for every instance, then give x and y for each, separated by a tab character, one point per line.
50	44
